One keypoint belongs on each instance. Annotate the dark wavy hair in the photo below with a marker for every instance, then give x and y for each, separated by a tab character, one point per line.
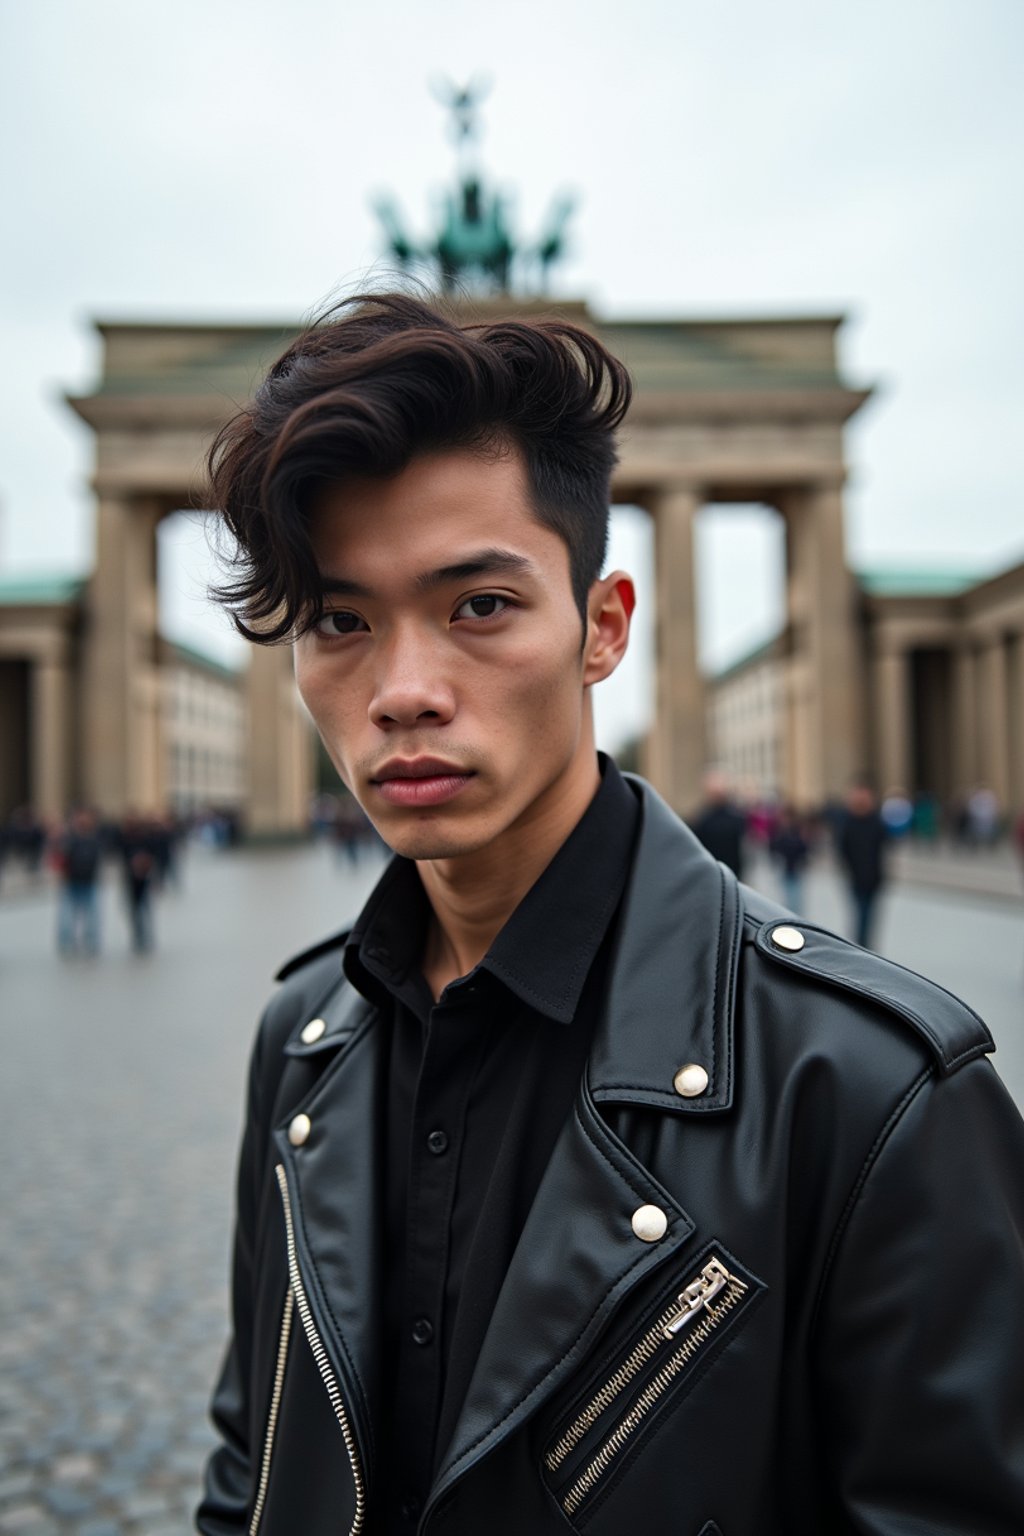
379	380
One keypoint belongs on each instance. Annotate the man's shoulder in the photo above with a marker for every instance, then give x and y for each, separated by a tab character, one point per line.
311	983
813	962
307	958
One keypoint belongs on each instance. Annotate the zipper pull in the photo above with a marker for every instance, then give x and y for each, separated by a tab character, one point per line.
713	1278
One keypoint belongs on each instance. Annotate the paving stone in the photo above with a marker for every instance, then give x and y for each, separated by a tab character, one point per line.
15	1485
77	1467
114	1485
141	1506
22	1518
69	1501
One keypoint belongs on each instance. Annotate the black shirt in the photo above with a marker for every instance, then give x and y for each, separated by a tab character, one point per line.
478	1087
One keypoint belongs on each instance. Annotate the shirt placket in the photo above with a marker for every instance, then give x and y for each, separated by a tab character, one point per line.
453	1041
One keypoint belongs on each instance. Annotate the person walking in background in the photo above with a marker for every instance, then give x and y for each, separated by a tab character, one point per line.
720	824
982	817
791	849
139	844
78	857
861	846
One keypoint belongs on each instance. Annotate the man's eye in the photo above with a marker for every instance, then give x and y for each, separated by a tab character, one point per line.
487	606
340	622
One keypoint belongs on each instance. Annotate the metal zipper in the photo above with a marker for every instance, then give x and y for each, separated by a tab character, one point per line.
714	1292
323	1364
275	1403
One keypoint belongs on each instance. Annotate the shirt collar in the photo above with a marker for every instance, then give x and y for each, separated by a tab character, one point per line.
546	949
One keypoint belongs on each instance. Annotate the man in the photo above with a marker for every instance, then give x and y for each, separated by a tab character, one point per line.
80	854
720	824
579	1188
862	842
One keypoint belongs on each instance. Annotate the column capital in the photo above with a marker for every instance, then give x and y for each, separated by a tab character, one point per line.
669	492
885	643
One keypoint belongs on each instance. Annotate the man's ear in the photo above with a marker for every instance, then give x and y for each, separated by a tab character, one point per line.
610	607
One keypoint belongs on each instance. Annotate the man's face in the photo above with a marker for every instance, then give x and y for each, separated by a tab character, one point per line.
447	675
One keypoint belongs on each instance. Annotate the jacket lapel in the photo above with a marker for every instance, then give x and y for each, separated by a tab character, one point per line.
669	1003
336	1191
577	1258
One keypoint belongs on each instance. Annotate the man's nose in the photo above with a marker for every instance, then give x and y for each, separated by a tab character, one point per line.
410	687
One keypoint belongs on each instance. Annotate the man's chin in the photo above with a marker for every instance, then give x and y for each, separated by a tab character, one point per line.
426	842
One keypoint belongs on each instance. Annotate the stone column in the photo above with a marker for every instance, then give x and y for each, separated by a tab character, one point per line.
50	708
279	754
1015	698
676	750
995	735
892	715
120	721
823	628
964	746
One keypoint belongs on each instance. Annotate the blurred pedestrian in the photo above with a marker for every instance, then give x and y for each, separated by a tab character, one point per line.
897	813
139	842
926	817
720	824
982	817
78	857
791	848
861	845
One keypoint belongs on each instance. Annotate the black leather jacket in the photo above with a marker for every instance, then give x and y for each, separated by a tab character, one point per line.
819	1329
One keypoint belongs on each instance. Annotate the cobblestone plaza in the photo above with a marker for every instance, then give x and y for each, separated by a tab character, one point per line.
120	1108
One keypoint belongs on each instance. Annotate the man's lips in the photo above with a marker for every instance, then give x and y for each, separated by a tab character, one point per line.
421	781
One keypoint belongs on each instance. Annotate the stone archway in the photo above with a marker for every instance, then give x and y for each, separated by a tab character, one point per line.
724	411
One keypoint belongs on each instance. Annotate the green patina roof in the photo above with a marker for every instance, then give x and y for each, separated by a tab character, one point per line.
196	658
760	652
916	581
876	581
40	589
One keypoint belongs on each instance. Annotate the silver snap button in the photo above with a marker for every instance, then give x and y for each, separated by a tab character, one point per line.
788	937
650	1223
312	1032
690	1081
298	1131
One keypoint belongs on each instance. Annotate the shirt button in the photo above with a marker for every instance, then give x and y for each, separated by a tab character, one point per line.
437	1141
422	1330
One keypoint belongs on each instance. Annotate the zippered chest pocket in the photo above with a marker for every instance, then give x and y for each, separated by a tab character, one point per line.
689	1323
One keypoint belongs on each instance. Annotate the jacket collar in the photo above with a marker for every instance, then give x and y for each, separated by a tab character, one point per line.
566	912
672	990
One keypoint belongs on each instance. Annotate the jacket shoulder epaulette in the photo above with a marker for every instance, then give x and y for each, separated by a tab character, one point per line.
951	1029
315	952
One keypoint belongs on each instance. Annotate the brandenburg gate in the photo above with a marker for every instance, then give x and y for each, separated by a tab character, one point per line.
725	411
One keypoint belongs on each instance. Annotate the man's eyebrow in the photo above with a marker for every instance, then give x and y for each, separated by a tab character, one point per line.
340	586
483	562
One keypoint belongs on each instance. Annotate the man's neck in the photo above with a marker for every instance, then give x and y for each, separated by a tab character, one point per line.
473	897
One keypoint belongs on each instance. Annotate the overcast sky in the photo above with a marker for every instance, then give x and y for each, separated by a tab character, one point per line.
215	159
